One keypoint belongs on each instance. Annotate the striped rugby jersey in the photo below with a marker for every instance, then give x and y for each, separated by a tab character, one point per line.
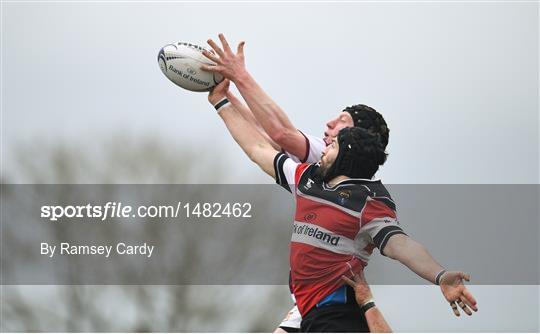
335	228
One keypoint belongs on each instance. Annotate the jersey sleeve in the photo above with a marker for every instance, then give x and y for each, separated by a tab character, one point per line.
380	222
285	170
314	148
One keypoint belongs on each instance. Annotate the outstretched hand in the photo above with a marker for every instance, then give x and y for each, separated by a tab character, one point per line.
228	64
456	293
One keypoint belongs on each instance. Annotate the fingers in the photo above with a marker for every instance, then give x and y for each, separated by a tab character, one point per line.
212	68
469	304
348	281
211	56
464	307
468	298
224	85
361	277
465	276
215	47
225	44
454	308
240	50
207	68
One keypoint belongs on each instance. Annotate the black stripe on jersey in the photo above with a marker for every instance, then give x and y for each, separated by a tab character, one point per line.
281	179
306	154
384	235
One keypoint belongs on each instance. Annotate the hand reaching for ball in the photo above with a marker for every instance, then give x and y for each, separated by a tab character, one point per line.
219	92
229	64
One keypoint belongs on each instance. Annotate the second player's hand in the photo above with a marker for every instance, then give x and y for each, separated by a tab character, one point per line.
456	293
219	92
228	64
362	292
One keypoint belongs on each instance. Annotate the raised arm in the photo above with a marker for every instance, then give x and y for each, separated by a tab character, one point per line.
272	118
415	256
252	142
248	115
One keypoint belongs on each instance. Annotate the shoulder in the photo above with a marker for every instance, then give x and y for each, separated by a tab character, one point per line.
305	172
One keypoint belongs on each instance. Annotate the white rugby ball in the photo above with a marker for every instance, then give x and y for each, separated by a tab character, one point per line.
181	63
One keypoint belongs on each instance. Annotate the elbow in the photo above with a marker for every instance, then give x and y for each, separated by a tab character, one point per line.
253	150
251	154
390	253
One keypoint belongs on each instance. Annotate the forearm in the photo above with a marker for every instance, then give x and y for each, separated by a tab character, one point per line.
248	138
413	255
271	117
376	321
248	116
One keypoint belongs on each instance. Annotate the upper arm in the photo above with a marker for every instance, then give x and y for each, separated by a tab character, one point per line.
293	141
310	151
380	222
395	244
285	170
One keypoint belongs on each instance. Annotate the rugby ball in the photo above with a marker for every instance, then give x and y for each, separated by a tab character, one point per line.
181	63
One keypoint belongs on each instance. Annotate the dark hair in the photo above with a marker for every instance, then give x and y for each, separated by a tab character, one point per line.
368	118
360	154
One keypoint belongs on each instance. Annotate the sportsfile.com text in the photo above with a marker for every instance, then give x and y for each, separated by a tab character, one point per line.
118	210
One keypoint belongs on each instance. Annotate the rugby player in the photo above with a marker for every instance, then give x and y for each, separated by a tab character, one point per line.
276	127
396	244
356	115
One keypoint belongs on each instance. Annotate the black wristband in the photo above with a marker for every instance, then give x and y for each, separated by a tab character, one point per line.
367	306
438	277
221	104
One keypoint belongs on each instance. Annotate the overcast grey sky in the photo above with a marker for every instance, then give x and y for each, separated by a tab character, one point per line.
456	82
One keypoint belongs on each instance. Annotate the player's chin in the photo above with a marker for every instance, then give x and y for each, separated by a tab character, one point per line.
323	166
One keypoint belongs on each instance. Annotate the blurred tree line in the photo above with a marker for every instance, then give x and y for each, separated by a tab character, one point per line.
142	308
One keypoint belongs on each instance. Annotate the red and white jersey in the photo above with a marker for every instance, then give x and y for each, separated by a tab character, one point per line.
335	228
313	153
314	148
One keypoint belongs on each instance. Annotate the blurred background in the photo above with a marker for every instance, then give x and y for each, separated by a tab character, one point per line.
83	101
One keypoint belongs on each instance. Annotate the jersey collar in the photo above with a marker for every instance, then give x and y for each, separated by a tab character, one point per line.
348	182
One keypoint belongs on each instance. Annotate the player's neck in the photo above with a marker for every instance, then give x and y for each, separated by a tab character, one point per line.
336	180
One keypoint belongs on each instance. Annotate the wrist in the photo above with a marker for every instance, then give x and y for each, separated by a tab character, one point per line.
439	276
366	301
214	100
221	103
242	79
367	306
